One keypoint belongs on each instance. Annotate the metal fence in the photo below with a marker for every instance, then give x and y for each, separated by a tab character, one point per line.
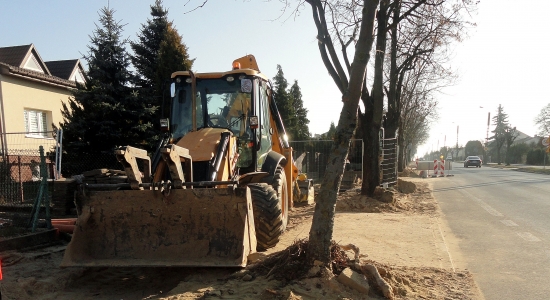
20	176
20	164
26	144
388	165
316	158
312	158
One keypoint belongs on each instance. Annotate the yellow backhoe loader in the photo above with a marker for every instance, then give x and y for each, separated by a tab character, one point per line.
218	188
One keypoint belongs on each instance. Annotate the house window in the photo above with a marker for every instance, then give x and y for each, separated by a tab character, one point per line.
36	123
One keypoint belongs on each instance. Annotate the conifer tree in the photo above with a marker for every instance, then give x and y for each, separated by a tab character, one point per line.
283	100
499	133
300	129
329	135
105	112
146	49
172	56
158	52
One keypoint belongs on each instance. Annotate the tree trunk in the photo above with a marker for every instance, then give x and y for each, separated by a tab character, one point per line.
371	159
320	234
401	157
394	109
506	156
499	147
372	119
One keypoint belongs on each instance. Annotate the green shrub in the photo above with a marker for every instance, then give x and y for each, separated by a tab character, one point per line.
536	157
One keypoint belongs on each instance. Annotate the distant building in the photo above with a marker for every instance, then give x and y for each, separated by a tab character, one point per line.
526	139
31	94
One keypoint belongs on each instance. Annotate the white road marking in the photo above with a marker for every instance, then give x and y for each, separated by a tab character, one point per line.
528	237
509	223
487	207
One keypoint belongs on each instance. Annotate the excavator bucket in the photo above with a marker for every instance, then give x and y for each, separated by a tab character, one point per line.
211	227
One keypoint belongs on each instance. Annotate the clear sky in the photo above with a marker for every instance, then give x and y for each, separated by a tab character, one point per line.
503	62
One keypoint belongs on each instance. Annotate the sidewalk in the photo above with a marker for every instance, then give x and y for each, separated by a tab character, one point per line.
415	238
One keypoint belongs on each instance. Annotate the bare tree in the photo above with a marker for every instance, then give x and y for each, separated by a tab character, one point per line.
543	121
351	23
351	87
421	44
417	111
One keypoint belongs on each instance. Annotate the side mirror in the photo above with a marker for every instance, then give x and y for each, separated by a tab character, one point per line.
164	125
172	90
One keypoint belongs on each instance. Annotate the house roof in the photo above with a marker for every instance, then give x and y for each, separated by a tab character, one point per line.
526	139
63	68
19	55
35	76
14	55
13	61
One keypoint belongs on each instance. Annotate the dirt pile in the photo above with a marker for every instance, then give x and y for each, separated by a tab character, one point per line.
409	172
417	199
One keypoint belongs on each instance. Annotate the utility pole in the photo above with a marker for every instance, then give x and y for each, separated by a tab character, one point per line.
485	159
456	141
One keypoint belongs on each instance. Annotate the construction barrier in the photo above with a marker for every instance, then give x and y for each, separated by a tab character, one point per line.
438	167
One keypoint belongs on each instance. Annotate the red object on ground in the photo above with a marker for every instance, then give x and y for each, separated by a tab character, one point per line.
70	221
0	270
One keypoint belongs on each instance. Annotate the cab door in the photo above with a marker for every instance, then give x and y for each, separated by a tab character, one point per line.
264	131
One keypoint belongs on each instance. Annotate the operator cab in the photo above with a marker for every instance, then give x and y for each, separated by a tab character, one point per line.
236	100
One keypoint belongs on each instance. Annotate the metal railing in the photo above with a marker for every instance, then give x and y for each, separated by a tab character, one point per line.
27	144
316	153
20	174
388	165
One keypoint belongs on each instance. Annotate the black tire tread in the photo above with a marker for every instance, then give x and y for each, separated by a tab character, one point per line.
276	181
267	215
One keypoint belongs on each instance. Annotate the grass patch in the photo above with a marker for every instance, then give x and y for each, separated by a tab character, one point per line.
535	170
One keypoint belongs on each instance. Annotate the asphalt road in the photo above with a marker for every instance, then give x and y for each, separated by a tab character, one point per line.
502	220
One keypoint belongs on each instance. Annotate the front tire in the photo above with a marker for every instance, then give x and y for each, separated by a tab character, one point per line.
279	184
268	217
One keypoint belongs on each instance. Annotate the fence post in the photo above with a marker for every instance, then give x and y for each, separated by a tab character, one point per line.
42	194
58	153
20	179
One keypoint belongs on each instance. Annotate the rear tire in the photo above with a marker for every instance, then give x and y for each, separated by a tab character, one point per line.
279	184
268	218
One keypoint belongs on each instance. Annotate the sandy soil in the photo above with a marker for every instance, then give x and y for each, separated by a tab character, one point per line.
406	240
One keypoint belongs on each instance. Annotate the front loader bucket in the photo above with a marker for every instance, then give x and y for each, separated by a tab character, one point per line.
188	227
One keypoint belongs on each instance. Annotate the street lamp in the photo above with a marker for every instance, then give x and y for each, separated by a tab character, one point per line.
485	159
456	141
